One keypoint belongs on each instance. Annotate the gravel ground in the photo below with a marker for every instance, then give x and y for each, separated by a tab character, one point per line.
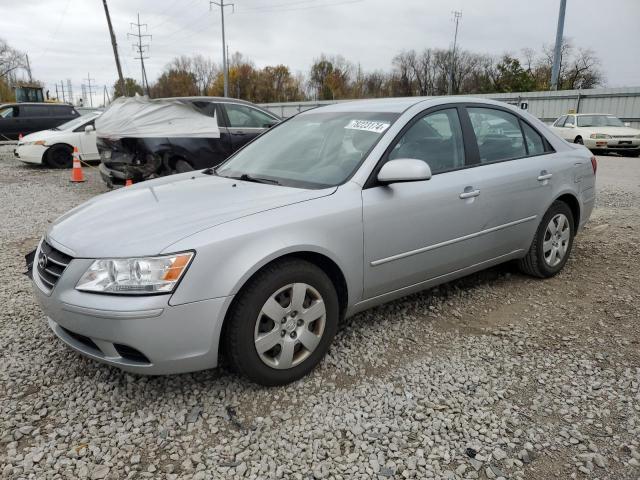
495	375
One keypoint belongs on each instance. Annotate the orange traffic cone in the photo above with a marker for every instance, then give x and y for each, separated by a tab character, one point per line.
77	175
128	182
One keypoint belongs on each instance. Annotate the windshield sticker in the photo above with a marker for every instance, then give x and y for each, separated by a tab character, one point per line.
367	126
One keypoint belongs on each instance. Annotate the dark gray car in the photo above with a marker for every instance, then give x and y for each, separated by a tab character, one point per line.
24	118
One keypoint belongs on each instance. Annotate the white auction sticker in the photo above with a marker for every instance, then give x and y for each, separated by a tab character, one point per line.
367	126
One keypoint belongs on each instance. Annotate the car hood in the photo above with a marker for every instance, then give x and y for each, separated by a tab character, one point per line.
44	135
148	217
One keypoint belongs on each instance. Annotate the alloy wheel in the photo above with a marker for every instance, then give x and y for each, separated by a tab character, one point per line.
556	239
290	326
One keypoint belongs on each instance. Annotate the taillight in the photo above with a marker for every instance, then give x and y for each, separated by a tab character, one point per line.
594	165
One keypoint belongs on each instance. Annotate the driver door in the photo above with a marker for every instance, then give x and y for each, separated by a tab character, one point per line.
417	231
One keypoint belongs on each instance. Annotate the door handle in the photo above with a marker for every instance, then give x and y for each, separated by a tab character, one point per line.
544	175
469	194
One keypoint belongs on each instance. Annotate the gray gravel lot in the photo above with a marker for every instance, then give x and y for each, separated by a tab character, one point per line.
533	379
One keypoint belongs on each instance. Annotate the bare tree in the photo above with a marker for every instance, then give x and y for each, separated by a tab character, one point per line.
10	59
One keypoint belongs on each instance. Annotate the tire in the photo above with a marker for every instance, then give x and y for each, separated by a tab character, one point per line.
579	141
183	166
284	357
539	263
59	156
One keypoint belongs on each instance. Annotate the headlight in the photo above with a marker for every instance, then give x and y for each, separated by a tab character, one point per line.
135	276
600	135
37	142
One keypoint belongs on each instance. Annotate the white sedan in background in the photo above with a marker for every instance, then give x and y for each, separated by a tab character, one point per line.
599	132
54	147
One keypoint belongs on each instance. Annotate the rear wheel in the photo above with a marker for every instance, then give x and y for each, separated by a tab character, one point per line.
579	141
59	156
282	323
552	243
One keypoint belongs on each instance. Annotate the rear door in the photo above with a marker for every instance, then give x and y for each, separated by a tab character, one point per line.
245	123
515	174
34	118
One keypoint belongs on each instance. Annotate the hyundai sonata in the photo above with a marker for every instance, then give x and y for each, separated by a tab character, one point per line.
329	213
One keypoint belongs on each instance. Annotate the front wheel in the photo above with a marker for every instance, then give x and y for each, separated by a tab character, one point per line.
552	243
59	156
579	141
282	323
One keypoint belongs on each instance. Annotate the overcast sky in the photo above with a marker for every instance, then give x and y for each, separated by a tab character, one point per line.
69	38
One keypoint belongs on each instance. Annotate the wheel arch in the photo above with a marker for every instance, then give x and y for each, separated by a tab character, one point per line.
575	140
322	261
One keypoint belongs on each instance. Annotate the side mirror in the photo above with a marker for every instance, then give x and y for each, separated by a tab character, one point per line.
89	128
404	170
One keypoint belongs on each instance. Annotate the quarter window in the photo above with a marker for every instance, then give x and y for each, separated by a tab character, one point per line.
241	116
535	143
498	134
436	138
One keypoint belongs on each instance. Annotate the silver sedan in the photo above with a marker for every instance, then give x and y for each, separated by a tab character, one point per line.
329	213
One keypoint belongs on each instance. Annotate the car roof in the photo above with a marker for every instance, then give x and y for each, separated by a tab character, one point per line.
591	114
39	104
208	99
400	104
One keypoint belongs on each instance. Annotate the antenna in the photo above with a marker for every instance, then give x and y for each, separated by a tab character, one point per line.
141	50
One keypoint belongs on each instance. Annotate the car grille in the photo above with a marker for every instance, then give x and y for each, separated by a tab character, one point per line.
622	136
51	270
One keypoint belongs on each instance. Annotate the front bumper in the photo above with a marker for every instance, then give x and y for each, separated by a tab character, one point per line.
30	153
613	144
138	334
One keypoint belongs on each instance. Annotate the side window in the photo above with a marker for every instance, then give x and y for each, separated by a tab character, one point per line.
498	134
535	143
571	121
206	108
8	112
560	121
35	111
436	138
241	116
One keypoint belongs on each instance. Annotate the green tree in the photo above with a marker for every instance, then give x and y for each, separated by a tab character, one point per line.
131	87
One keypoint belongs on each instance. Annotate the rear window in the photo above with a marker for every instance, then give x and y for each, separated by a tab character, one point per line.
498	134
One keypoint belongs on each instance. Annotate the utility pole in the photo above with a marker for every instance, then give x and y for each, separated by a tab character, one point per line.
224	48
557	52
140	48
70	91
62	90
456	18
114	45
89	89
29	69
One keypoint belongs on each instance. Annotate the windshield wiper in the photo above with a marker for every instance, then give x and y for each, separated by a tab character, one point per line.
250	178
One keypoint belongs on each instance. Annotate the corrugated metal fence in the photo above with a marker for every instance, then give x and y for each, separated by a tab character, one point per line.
621	102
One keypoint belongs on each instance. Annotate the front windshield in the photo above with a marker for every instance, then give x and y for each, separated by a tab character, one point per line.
76	122
312	150
599	121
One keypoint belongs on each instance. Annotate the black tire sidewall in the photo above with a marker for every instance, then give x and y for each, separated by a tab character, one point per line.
556	208
54	151
245	315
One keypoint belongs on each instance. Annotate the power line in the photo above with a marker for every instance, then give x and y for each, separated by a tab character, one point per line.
457	15
224	48
141	50
274	9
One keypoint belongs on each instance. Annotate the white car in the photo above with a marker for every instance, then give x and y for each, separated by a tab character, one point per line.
54	147
599	132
